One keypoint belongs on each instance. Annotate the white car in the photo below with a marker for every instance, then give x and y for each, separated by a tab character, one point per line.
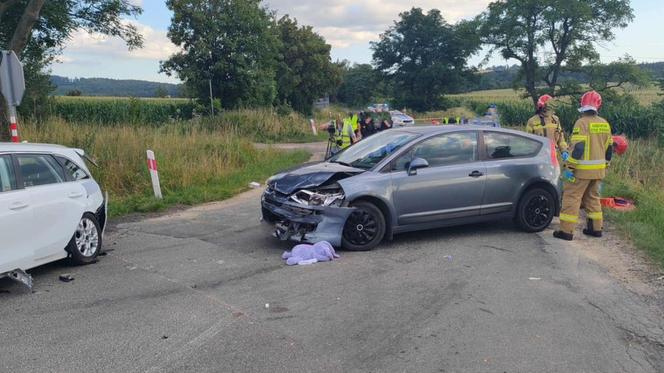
50	208
401	119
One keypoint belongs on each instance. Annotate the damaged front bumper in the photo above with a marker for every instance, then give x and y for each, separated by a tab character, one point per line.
297	222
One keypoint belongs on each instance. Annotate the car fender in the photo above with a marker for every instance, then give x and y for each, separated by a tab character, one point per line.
371	186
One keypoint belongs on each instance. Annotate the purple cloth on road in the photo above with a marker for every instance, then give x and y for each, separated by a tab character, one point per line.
320	251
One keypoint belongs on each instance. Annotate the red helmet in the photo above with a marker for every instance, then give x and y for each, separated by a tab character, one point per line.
620	144
543	100
590	101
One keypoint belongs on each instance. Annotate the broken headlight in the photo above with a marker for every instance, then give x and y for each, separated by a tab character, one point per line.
326	196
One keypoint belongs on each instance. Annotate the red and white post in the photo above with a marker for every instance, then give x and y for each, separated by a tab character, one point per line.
154	174
13	124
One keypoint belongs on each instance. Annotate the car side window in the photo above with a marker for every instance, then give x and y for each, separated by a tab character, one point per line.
39	169
504	145
7	176
442	150
73	170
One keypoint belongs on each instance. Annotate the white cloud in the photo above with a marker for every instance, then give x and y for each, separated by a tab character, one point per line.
156	45
345	23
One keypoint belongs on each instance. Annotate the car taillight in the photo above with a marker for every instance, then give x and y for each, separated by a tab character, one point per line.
554	155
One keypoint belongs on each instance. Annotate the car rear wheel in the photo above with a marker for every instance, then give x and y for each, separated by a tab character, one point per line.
85	245
364	228
536	210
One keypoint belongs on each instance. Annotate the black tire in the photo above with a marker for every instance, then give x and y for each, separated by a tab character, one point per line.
536	210
86	254
364	228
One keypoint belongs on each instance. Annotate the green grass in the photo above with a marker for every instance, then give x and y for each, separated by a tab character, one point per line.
214	189
638	175
197	162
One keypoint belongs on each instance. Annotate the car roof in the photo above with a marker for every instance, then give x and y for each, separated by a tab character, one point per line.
430	130
30	147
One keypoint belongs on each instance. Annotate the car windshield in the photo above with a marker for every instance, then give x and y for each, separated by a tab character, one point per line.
370	151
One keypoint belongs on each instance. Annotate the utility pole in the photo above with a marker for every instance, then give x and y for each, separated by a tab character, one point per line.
210	81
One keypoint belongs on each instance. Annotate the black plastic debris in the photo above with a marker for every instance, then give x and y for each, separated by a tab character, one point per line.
66	277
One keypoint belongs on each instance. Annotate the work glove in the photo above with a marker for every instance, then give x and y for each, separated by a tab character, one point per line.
568	176
565	156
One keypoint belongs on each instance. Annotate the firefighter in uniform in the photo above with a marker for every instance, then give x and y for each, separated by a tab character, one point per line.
591	151
546	123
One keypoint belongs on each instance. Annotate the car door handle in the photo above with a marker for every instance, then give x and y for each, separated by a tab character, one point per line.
476	174
18	206
75	195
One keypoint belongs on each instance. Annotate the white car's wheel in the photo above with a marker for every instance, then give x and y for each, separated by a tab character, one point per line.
85	245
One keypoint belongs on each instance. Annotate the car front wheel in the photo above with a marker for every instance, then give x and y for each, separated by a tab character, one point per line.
364	228
85	245
536	210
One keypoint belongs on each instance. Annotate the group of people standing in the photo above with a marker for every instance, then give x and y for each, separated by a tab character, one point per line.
355	127
586	159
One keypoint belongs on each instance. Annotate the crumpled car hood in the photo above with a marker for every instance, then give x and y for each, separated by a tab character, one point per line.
311	176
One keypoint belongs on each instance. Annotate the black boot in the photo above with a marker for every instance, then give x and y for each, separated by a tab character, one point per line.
563	236
590	231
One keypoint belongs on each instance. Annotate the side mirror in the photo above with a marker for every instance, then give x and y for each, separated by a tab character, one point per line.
416	164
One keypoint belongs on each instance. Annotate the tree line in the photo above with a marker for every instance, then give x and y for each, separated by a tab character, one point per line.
248	56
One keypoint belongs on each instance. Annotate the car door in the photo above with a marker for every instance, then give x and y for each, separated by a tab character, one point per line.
15	219
58	205
451	187
509	166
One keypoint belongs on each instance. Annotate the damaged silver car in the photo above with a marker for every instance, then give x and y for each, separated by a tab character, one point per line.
416	178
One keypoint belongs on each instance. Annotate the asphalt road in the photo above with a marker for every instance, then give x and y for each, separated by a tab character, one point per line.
205	290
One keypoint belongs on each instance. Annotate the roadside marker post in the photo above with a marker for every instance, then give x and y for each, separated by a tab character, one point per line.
154	174
12	86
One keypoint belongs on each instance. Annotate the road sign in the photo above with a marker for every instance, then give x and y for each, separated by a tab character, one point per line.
12	82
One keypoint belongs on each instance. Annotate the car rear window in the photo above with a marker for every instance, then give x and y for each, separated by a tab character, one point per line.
72	169
7	176
504	145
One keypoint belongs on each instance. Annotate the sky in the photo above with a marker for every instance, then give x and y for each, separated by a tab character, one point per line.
348	25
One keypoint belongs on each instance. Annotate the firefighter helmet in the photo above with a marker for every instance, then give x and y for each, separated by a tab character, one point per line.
541	103
620	144
590	101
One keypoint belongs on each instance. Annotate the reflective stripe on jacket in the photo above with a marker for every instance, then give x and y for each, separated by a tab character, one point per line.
550	129
591	147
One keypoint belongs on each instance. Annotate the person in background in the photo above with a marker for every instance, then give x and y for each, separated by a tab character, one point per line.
545	123
367	126
385	125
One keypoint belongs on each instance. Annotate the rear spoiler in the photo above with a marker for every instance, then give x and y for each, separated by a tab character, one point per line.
81	153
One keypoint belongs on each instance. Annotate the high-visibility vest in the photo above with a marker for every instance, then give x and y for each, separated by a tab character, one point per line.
344	136
446	120
354	121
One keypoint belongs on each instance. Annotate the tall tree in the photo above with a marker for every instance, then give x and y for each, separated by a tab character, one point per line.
424	57
305	70
548	36
361	83
231	42
38	30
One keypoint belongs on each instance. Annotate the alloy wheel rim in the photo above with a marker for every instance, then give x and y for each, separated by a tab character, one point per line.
361	228
538	211
87	238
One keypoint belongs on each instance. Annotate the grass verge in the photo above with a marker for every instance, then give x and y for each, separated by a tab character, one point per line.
197	163
638	175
